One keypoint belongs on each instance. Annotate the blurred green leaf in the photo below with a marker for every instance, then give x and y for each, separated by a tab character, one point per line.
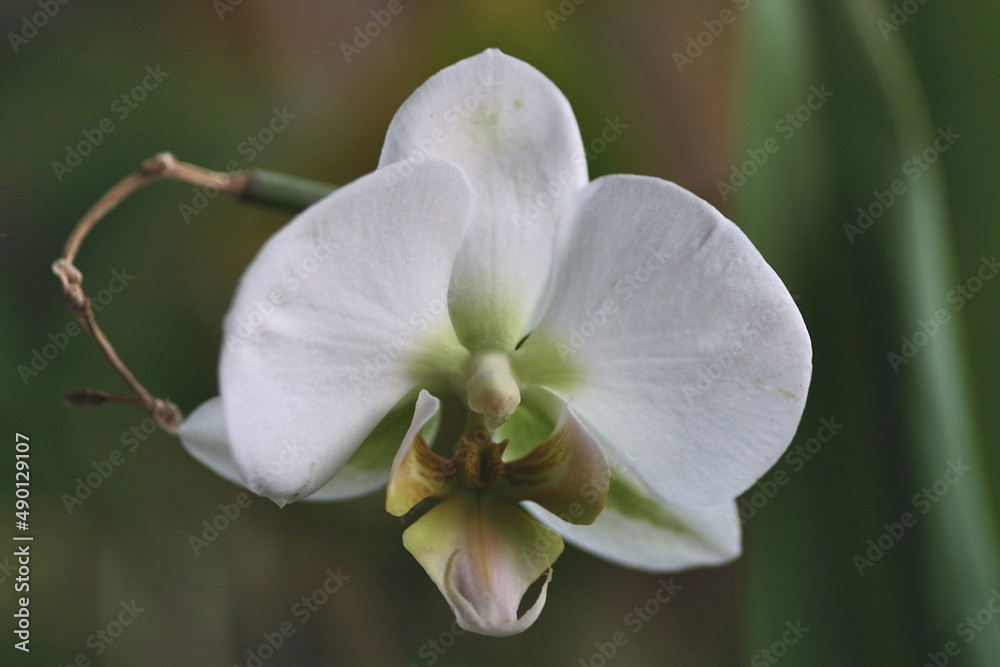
860	294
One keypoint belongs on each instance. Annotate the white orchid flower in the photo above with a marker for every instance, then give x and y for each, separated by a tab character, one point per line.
625	356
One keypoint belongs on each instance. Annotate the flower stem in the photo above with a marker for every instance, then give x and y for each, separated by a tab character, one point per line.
283	191
256	186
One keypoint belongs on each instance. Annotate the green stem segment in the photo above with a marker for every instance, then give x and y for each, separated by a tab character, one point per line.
282	190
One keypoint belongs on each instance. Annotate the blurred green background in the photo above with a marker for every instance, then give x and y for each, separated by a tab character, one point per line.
697	88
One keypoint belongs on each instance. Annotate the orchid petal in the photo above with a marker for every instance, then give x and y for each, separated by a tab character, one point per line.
692	360
532	423
514	134
417	472
329	328
203	435
638	531
635	529
483	553
568	474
